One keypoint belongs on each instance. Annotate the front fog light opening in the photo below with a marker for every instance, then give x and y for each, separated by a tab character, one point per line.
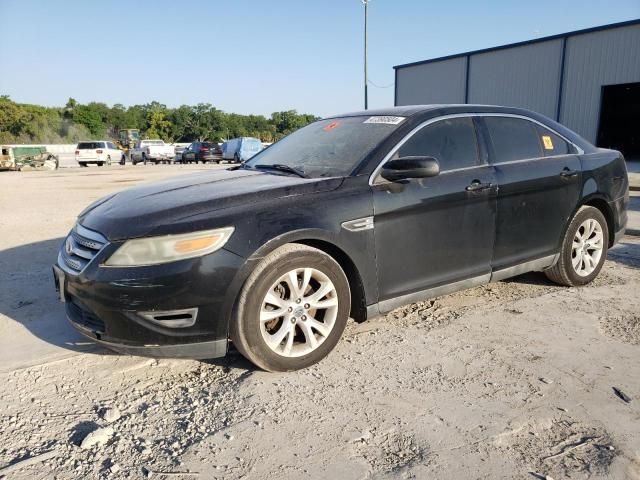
172	318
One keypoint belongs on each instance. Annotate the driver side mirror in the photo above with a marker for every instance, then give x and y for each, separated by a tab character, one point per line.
410	167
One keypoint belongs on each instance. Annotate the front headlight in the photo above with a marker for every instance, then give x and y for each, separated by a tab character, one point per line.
169	248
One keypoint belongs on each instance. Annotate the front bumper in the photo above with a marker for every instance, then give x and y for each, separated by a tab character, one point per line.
106	303
196	350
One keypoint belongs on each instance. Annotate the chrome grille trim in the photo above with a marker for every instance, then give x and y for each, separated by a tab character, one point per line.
79	249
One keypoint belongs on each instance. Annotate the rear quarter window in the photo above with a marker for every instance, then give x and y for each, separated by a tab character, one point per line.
553	144
513	139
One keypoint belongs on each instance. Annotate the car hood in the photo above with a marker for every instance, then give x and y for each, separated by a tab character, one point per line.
149	209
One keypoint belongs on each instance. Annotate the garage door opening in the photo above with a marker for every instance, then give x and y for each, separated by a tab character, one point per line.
620	119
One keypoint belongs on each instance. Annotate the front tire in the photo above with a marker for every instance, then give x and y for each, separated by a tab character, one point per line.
292	309
583	251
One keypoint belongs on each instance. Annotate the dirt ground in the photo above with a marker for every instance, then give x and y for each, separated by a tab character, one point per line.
517	379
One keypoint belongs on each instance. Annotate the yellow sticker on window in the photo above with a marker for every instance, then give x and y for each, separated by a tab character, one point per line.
548	144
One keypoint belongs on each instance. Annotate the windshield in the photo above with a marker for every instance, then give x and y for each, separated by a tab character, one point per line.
328	148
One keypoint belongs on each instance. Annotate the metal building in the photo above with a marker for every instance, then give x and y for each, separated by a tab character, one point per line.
588	80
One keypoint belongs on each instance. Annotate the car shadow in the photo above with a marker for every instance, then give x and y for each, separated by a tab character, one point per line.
625	253
28	302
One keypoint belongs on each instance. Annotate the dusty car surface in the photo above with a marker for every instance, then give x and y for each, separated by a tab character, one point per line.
350	216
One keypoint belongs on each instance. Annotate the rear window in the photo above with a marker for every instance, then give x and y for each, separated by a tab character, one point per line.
90	145
153	142
513	139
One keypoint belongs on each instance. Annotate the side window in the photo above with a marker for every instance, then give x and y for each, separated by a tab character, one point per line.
513	139
552	144
452	142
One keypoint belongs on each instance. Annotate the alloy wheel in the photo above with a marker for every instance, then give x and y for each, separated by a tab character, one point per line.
587	247
298	312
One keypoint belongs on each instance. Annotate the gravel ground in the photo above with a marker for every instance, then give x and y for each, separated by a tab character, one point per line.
517	379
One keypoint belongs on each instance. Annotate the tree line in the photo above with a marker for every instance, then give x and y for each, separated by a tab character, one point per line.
25	123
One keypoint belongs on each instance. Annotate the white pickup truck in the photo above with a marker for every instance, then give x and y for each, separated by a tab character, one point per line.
155	151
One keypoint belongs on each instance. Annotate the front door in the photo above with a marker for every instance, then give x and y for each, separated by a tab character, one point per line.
436	230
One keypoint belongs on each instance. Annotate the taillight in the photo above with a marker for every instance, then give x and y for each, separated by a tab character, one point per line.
77	152
98	152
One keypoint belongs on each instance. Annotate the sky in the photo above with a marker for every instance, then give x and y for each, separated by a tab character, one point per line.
256	56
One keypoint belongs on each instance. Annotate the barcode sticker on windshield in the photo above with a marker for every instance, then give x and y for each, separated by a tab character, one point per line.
387	120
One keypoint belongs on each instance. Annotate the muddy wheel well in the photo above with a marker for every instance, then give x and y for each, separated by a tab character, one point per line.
358	299
604	208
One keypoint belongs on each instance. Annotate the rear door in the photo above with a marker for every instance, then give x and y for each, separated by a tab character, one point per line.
539	178
437	230
87	151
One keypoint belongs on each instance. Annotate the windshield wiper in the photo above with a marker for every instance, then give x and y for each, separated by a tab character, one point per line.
283	168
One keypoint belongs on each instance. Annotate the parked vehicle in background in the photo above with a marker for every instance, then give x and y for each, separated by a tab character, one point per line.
241	149
127	139
179	149
202	152
17	158
155	151
100	152
350	216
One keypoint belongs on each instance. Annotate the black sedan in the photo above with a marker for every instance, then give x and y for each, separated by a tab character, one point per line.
350	216
202	152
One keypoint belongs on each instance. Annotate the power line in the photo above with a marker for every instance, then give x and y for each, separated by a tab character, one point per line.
381	86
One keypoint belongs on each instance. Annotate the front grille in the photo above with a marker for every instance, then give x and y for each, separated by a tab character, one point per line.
79	248
84	317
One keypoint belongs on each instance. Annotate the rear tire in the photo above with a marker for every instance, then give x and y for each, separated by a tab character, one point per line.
281	327
100	163
83	164
583	251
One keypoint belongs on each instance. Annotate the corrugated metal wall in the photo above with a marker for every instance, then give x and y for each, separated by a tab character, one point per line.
526	77
592	60
441	82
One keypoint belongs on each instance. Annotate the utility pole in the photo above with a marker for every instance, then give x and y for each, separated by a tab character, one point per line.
366	81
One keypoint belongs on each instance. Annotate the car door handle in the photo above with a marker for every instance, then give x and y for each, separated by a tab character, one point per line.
568	173
478	186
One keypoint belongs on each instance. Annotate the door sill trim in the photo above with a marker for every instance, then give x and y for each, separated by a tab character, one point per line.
537	265
386	306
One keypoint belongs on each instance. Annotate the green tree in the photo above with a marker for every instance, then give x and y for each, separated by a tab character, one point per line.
90	118
159	126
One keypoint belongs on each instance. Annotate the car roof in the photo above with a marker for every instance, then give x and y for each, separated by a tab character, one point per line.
423	112
441	109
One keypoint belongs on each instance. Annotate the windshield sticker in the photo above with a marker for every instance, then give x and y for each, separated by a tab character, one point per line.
548	144
331	126
387	120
